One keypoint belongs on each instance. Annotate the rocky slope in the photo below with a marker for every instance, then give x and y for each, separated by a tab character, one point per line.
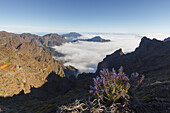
24	65
45	99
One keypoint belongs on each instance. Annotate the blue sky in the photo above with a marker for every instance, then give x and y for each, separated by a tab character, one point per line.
122	16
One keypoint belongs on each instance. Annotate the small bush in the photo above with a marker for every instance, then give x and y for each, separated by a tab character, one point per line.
112	92
111	86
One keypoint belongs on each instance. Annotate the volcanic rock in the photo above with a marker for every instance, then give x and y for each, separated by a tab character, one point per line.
150	56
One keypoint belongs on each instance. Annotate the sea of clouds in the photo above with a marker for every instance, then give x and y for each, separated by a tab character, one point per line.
86	55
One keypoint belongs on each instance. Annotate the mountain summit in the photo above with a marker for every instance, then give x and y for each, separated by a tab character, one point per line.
94	39
71	36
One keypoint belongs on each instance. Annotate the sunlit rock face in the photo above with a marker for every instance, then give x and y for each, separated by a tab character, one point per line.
24	65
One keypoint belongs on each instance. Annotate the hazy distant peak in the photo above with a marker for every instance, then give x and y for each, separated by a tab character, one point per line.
75	33
94	39
51	34
71	36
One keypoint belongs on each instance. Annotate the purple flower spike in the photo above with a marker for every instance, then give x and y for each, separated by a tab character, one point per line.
125	78
112	85
91	91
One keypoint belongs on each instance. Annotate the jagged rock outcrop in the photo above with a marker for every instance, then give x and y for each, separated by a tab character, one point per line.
150	56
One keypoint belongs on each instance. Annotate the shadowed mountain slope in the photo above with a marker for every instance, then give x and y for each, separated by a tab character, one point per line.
150	56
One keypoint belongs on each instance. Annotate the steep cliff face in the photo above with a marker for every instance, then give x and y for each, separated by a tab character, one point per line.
150	56
24	65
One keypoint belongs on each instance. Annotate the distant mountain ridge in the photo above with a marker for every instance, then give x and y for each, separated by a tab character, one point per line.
46	40
94	39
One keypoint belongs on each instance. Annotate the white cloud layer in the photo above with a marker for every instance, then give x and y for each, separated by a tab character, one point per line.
86	55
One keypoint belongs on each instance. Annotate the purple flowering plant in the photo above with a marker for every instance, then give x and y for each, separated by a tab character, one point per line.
111	86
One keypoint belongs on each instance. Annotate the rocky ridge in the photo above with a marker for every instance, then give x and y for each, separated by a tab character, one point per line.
152	59
150	56
24	65
46	40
